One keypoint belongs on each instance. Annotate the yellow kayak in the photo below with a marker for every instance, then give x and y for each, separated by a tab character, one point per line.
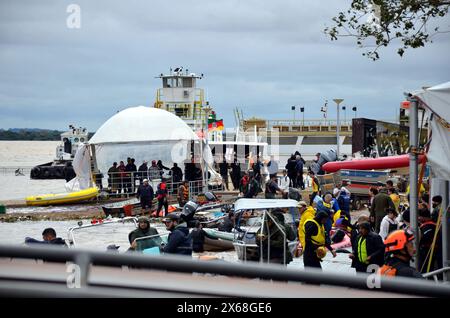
62	198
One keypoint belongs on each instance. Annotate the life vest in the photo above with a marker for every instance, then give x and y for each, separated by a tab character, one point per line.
319	238
315	185
388	270
362	250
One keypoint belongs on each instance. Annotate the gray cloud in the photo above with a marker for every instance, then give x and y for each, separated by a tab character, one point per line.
262	56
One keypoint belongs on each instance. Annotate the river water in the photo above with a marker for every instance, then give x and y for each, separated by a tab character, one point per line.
25	155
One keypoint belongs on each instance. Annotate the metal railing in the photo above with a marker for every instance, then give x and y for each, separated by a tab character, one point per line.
84	259
18	171
436	273
126	184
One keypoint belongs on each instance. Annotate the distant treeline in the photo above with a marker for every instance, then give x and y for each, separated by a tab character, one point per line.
31	134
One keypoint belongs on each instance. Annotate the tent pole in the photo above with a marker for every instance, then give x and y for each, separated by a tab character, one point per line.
445	230
413	173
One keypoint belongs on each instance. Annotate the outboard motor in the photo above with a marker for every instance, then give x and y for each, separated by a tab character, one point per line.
211	197
189	210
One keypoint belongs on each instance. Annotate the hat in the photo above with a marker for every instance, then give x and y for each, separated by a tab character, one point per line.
302	203
171	217
143	219
153	162
145	180
112	247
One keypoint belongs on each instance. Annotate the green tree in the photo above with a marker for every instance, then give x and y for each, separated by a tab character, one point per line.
377	23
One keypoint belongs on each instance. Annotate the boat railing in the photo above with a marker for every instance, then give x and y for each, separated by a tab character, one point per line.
18	171
436	273
84	259
81	226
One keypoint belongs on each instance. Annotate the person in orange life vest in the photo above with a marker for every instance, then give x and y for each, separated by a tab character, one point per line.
161	195
427	231
183	193
399	250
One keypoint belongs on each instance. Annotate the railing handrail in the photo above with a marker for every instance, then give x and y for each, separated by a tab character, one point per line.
84	258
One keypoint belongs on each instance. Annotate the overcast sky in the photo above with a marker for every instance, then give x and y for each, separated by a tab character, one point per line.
260	56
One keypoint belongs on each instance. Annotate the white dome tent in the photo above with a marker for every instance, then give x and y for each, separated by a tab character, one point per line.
142	133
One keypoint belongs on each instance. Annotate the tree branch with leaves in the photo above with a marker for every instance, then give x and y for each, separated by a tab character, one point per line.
377	23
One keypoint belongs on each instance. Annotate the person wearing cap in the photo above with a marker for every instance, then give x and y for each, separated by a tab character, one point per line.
306	213
367	248
179	240
399	250
145	194
315	240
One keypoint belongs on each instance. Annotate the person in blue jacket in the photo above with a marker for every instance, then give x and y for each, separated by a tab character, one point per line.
179	240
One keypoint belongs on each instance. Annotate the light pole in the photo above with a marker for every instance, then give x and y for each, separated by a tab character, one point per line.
345	113
293	109
302	110
337	101
206	109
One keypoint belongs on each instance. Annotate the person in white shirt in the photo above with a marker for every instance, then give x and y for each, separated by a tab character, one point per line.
389	223
283	182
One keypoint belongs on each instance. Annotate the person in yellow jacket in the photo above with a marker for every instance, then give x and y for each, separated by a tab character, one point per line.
306	213
315	241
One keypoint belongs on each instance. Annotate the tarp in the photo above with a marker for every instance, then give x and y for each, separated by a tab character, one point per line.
82	166
436	101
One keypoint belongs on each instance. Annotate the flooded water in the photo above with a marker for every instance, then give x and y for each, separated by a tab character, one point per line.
26	154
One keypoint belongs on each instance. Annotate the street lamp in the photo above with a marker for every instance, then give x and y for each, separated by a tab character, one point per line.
355	109
302	110
207	110
345	113
293	109
337	101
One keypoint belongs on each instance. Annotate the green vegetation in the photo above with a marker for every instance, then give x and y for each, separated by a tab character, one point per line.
30	134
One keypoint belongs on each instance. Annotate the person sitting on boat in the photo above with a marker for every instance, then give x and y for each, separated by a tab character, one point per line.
144	229
315	240
49	237
198	235
145	194
179	240
162	196
228	223
367	248
272	233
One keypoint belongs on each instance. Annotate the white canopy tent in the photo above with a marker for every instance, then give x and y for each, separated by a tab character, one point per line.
436	101
143	133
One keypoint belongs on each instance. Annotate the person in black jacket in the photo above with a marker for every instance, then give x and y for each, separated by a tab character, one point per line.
367	248
49	237
198	235
179	241
144	229
145	194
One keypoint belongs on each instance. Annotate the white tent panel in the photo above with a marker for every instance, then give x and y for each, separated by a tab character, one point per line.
142	124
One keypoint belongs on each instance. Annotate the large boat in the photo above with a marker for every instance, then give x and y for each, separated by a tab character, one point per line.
65	152
180	95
